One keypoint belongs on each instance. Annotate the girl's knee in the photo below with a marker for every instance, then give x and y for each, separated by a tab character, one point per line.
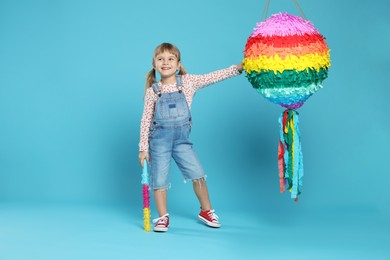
200	180
199	183
161	189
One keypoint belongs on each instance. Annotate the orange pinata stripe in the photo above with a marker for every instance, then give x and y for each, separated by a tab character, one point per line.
257	49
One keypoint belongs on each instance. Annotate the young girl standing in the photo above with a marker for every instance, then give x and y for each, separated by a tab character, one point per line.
165	129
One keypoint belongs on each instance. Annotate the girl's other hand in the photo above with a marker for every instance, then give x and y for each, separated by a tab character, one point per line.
143	155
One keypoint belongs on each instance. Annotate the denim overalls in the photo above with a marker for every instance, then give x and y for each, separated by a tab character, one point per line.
169	138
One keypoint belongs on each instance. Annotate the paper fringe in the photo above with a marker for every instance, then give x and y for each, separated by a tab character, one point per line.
288	78
290	158
146	196
283	24
292	98
147	226
276	64
297	45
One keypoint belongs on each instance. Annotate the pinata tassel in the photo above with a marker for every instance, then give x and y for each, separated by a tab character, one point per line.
281	166
290	157
146	197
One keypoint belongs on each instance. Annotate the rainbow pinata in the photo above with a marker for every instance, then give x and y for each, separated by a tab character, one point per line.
286	60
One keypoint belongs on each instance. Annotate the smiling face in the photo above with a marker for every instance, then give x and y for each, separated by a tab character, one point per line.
166	64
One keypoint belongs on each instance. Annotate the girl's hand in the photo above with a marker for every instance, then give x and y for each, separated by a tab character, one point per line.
143	155
239	67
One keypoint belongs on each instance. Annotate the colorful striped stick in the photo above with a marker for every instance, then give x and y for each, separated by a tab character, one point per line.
146	197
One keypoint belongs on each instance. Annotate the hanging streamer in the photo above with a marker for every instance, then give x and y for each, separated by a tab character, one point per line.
146	197
290	158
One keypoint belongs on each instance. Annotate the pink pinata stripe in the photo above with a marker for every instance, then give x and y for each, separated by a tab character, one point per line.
284	24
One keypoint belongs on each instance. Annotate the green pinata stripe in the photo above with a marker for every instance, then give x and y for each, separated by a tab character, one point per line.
288	78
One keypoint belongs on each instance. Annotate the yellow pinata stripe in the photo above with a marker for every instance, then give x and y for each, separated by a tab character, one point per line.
290	62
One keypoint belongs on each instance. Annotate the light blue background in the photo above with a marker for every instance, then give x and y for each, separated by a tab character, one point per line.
71	99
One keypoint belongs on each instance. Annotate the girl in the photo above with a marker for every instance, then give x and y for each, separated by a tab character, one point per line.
165	129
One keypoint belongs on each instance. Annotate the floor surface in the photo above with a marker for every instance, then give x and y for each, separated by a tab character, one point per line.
116	232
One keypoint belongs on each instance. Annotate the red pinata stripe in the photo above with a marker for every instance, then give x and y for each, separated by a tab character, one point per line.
285	41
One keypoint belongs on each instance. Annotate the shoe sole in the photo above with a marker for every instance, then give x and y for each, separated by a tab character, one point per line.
209	223
160	229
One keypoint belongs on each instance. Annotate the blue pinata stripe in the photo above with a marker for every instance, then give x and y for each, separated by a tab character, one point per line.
289	96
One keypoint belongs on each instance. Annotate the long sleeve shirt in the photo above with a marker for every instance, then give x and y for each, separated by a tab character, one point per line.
191	83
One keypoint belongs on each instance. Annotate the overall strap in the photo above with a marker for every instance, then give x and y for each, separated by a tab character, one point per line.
156	89
179	85
178	80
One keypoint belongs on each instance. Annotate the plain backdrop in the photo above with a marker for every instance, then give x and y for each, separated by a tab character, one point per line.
71	99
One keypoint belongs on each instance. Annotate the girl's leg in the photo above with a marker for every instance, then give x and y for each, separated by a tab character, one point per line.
201	191
207	214
160	197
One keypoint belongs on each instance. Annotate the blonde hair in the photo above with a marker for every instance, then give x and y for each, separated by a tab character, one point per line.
151	75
